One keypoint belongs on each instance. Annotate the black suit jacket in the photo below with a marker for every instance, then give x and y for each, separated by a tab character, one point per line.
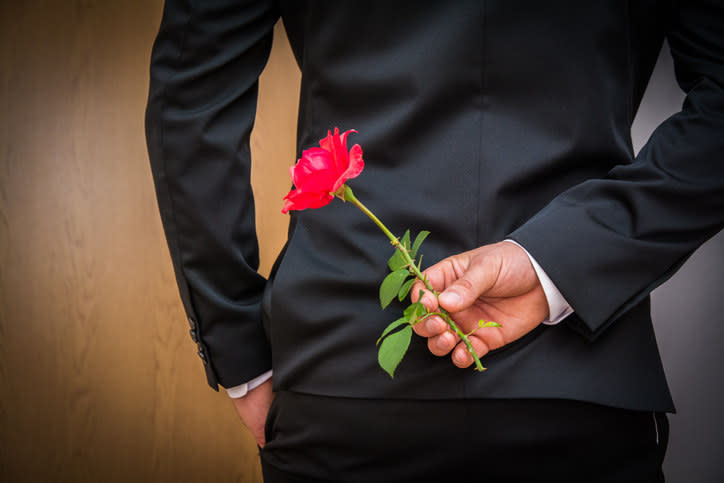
479	121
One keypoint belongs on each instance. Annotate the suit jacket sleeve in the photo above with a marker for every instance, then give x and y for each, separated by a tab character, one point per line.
606	243
205	64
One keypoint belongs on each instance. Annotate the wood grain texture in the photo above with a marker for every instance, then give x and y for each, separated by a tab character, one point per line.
99	380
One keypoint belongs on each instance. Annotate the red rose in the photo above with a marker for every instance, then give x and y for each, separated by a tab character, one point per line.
322	171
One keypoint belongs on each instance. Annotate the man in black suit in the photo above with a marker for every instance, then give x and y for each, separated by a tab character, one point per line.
504	129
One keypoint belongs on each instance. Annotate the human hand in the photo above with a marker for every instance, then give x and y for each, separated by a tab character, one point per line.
494	283
253	409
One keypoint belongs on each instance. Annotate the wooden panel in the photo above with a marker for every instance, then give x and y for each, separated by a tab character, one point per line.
99	380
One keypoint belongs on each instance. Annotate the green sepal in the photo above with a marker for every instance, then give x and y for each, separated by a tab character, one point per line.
391	327
393	349
482	323
391	286
405	289
418	241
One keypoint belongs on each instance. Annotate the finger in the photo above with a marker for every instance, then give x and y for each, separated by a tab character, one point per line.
428	299
439	275
479	277
442	344
462	358
260	437
430	327
492	337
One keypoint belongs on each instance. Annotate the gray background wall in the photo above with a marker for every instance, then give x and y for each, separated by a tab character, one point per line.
688	313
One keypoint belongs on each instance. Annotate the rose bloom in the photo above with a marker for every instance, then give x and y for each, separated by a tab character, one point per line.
321	171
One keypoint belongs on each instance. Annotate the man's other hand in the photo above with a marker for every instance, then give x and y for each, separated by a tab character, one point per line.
493	283
253	409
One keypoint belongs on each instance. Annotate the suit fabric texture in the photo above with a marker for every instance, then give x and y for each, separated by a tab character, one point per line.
480	121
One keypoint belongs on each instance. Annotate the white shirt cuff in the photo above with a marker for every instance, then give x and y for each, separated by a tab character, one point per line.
558	306
242	389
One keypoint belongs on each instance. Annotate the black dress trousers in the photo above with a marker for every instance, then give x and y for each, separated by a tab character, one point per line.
312	438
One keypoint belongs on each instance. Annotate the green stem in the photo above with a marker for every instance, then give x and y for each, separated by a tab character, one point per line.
348	195
443	314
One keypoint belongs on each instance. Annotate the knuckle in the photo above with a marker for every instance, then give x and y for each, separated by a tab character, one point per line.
415	290
481	346
432	347
490	338
443	343
435	326
440	344
500	339
428	301
464	285
461	357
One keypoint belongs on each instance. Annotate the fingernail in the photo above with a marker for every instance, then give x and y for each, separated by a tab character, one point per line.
450	298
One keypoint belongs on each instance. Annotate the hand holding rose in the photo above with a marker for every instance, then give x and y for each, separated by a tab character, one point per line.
493	282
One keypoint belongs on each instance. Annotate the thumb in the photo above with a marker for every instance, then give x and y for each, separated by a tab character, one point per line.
478	278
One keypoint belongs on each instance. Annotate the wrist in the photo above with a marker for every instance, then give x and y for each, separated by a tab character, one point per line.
558	306
242	390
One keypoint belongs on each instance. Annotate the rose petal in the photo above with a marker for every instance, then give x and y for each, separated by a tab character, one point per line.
299	200
356	165
312	172
344	137
326	142
328	145
321	171
339	153
337	146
